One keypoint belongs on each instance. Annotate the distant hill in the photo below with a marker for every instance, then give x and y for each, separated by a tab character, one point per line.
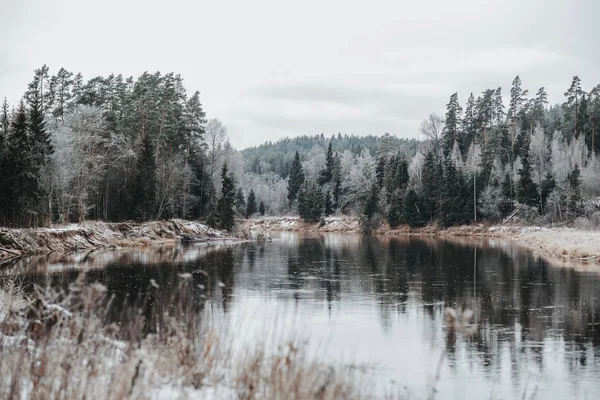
277	156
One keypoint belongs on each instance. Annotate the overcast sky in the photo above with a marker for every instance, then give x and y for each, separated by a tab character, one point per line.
273	68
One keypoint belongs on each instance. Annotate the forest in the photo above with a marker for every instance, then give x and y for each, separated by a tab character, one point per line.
114	148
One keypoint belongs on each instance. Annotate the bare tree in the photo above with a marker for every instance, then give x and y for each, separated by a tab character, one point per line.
431	128
216	137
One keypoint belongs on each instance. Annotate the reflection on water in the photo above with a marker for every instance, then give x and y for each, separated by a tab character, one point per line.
378	303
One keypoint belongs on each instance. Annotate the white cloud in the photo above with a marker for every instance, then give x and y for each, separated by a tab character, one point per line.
269	68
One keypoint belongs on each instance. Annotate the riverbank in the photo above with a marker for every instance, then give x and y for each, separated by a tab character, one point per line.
97	235
566	245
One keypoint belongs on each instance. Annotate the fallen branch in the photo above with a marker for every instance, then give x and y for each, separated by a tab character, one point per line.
13	252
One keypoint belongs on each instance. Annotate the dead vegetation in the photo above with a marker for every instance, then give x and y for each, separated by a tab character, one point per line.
57	345
95	235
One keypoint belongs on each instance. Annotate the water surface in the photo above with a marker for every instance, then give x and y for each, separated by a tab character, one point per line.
377	304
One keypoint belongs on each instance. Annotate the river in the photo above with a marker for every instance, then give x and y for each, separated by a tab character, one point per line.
377	304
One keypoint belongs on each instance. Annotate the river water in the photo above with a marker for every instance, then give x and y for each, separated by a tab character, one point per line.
378	304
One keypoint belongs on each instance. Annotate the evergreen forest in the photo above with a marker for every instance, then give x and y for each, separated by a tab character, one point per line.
115	148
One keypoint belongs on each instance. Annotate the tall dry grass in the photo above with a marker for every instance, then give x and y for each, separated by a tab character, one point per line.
58	345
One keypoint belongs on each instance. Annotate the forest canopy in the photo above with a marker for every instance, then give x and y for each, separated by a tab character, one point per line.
116	148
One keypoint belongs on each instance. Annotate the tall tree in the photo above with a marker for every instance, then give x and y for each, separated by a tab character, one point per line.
226	203
517	98
296	179
573	96
468	125
251	207
527	192
451	132
144	199
326	174
310	202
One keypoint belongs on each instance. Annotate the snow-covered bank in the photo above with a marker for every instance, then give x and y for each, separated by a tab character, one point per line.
552	243
94	235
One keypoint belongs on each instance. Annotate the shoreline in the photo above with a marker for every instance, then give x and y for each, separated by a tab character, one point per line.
557	245
93	235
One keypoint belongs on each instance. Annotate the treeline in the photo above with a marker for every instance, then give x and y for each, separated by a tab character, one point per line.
533	160
277	157
111	148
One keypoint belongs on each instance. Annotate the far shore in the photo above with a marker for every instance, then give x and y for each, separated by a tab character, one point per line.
559	245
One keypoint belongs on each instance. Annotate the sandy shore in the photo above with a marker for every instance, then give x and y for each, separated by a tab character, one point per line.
568	246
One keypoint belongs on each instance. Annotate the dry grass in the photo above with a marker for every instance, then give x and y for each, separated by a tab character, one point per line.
56	345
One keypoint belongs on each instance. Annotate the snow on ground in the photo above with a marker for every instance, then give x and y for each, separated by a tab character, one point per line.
568	244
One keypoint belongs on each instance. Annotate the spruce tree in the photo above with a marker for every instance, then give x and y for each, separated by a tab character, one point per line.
411	212
310	202
527	192
327	174
432	183
371	205
23	171
395	214
296	179
251	204
261	208
226	203
380	169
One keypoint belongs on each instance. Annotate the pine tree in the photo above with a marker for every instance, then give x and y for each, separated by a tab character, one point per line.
251	204
261	208
517	98
498	106
327	174
573	96
468	127
144	200
451	132
226	203
296	179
